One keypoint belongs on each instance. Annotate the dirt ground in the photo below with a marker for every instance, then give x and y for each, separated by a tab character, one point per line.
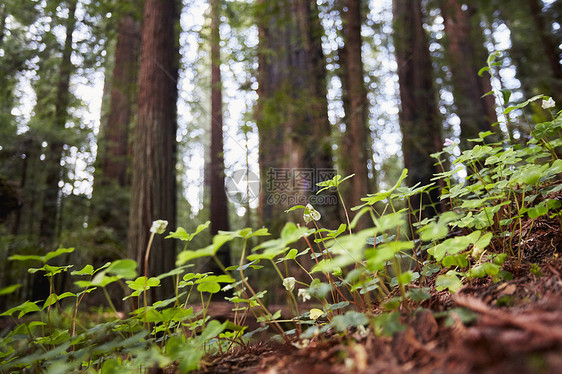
516	328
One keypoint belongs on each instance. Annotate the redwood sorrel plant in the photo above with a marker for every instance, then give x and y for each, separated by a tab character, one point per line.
388	268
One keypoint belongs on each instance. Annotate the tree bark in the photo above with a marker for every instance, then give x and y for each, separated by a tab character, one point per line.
50	205
465	54
47	226
219	203
153	186
3	16
112	206
294	131
528	50
356	141
123	100
551	50
419	120
269	116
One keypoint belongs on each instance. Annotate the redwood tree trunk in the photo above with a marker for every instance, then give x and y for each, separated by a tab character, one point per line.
294	131
153	189
419	120
269	115
111	205
3	16
551	50
47	226
219	203
466	56
531	51
50	206
356	141
123	100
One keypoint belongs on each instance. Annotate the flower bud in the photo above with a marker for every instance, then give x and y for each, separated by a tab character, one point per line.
159	226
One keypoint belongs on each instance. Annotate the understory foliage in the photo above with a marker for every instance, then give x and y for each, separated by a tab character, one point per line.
359	282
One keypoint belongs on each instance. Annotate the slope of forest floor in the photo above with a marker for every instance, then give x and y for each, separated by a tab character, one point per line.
507	327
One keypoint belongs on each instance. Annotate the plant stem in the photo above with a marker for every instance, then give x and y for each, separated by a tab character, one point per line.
247	285
146	256
344	210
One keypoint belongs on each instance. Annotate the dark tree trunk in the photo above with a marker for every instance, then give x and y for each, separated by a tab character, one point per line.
419	120
531	50
112	180
465	50
219	204
269	116
123	100
153	189
356	141
550	49
3	16
47	227
53	155
25	221
294	131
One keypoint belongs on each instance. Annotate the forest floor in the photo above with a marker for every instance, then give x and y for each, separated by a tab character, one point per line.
516	328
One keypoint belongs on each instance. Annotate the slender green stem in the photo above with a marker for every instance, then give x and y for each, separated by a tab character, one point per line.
205	307
111	305
51	292
146	256
220	264
345	211
292	296
247	285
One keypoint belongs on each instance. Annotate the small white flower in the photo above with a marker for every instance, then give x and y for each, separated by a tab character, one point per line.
159	226
303	293
362	331
477	252
289	283
448	142
548	103
311	214
301	344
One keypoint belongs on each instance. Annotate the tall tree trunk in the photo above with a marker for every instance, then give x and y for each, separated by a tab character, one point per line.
3	16
419	120
294	131
356	141
53	170
219	206
112	180
269	116
537	74
464	48
53	156
551	50
153	187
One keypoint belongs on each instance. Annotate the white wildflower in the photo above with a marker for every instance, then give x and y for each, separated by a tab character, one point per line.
159	226
477	252
362	331
301	344
448	142
549	103
289	283
311	214
304	294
